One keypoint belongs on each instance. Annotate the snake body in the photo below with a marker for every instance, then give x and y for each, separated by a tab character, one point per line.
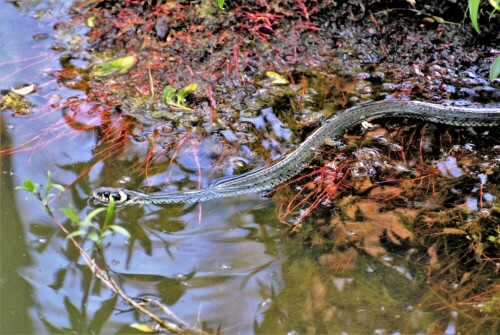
266	178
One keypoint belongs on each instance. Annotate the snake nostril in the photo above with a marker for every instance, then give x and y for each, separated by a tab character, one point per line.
106	194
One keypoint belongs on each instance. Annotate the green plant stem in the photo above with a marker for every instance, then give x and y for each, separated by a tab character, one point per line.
104	276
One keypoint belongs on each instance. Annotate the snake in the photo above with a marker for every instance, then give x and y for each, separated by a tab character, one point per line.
267	178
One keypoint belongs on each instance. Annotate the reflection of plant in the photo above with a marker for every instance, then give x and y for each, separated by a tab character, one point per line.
96	233
177	100
81	321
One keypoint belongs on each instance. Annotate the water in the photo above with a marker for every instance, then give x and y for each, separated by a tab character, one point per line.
205	262
226	264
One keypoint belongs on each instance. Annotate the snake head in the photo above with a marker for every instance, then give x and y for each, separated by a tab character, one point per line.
103	195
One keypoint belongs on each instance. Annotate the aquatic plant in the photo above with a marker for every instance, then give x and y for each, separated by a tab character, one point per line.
177	100
94	231
44	195
86	227
16	102
96	234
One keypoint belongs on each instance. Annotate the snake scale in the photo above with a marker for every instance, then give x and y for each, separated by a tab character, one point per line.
266	178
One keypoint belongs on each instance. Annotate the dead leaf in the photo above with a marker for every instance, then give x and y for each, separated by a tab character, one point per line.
25	90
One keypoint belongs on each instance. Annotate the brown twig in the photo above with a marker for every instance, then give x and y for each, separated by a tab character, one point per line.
104	276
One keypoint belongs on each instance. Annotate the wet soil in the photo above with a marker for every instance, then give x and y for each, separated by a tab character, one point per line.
358	50
333	55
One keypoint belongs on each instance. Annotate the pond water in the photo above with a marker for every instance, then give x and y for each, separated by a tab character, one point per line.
227	264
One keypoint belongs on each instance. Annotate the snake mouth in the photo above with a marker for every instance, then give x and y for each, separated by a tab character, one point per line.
104	195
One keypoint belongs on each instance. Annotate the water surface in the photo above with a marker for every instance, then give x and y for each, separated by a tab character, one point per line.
227	264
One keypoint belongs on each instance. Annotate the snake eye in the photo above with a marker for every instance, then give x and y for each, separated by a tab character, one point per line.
106	194
117	197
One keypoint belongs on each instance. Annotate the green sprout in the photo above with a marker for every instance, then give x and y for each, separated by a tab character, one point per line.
495	69
87	227
474	11
44	196
120	65
94	231
473	14
178	100
277	78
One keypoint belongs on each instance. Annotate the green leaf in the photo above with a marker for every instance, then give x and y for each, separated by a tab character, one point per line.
184	92
58	187
439	19
94	238
143	328
495	69
94	225
495	4
277	78
91	215
106	233
220	3
168	95
473	13
120	230
110	210
71	215
90	22
120	65
29	185
76	233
